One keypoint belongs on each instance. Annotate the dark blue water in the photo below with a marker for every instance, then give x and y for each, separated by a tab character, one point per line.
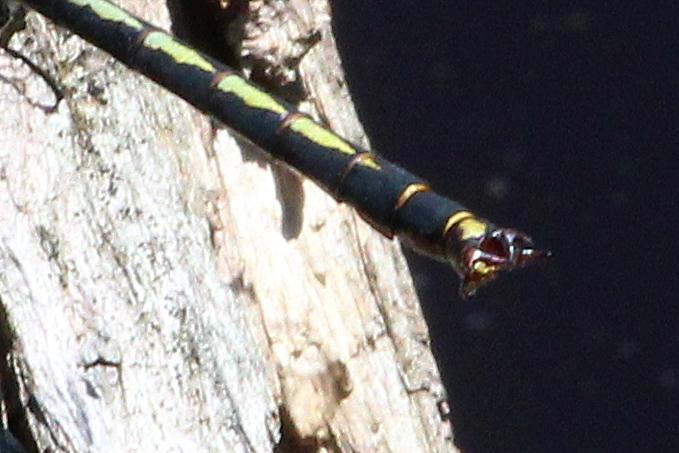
558	118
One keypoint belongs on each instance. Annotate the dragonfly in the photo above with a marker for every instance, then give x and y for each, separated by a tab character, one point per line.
391	199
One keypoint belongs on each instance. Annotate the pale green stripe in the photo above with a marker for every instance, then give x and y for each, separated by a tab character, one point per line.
180	53
320	135
110	12
252	96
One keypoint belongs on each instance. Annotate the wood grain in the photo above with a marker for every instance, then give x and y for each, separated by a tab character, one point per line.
154	294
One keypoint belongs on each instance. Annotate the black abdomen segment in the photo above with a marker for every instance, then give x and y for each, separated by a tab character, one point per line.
392	199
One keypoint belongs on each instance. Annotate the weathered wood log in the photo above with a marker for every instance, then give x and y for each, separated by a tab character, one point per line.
164	287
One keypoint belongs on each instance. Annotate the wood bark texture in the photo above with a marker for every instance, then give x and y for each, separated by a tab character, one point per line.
165	286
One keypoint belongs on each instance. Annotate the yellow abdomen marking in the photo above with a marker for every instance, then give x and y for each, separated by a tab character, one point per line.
454	219
110	13
467	225
471	228
409	192
367	160
481	268
180	53
251	95
320	135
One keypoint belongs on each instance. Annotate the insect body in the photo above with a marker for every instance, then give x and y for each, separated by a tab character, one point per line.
390	198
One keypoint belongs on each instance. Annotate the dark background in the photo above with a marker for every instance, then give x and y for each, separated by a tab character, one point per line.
558	118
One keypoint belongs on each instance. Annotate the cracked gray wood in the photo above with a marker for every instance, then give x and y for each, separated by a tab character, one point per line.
151	299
